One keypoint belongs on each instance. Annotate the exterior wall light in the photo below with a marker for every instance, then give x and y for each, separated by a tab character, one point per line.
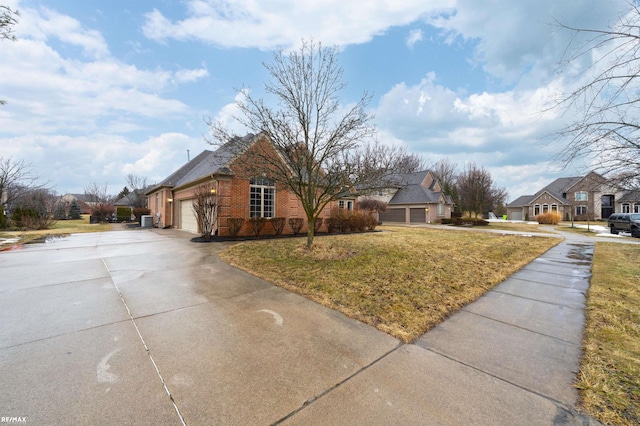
170	200
213	191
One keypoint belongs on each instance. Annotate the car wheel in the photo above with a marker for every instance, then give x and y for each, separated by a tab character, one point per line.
614	231
635	232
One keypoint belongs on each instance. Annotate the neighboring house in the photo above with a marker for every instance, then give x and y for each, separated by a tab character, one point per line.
131	199
421	200
238	196
81	199
582	197
629	203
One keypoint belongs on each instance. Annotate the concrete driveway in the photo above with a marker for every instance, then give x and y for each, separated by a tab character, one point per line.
145	327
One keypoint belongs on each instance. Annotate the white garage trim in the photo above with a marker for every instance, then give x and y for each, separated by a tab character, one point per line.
188	220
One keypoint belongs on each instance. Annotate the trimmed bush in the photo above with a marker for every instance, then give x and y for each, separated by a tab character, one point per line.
123	214
257	225
138	212
278	225
332	225
235	225
469	222
551	218
296	224
371	222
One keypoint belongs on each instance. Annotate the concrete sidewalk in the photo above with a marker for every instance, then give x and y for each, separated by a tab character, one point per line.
508	358
144	327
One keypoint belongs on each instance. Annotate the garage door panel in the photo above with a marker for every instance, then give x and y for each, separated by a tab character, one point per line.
187	217
393	215
417	215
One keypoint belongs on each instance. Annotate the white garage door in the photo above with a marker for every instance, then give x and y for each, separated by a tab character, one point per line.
187	217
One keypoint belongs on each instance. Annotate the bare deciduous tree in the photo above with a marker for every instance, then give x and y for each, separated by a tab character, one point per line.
446	171
8	18
607	128
324	149
205	207
17	178
138	186
7	21
476	191
99	201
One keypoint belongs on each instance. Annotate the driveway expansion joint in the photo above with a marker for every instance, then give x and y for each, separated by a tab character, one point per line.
146	348
337	385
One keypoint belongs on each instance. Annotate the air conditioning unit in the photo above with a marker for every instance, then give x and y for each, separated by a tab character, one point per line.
146	221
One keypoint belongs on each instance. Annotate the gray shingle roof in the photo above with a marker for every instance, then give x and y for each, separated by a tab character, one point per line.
560	186
204	164
522	201
630	197
414	192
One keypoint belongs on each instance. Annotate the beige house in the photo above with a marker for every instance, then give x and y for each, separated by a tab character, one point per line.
420	200
580	198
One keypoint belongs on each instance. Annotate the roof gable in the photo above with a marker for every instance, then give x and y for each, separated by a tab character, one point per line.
521	201
204	164
419	188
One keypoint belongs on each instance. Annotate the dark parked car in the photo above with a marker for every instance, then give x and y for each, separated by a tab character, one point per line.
625	222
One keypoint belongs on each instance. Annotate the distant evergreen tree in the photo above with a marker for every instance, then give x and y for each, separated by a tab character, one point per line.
60	211
74	210
125	191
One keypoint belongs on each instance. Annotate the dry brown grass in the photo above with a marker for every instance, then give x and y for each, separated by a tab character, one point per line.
61	227
403	281
609	378
516	226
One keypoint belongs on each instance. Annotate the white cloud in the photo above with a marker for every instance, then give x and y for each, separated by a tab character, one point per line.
266	25
414	37
46	23
69	163
519	37
189	76
228	114
48	92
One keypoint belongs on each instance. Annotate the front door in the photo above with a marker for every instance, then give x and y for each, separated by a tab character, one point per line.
607	202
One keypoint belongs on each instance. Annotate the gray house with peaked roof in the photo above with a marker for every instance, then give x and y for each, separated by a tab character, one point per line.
419	200
581	197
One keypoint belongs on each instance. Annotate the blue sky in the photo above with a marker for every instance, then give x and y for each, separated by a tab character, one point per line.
97	90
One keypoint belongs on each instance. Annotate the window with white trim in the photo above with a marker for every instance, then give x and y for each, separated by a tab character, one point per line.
345	204
626	208
581	196
440	209
262	194
536	209
545	208
580	210
636	208
554	208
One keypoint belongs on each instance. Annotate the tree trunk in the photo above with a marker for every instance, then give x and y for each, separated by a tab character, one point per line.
311	221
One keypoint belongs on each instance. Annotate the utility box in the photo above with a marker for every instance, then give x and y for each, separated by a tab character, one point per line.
146	221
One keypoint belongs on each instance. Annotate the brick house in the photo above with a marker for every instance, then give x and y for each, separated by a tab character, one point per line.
238	195
583	197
